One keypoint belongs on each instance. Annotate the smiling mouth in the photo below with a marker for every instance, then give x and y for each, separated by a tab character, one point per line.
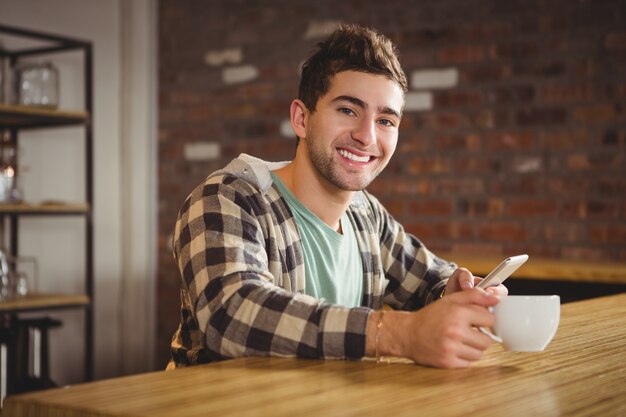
353	157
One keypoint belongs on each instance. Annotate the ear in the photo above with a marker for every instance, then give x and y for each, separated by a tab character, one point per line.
298	113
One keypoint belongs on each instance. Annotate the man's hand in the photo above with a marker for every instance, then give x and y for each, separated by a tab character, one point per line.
462	279
442	334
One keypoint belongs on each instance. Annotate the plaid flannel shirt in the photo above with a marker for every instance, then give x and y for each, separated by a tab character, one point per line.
242	273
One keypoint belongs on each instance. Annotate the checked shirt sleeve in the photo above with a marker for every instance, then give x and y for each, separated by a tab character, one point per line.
225	245
416	276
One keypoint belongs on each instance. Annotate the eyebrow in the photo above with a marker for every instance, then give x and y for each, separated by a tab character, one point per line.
360	103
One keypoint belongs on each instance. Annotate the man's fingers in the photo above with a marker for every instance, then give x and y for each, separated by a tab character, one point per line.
478	340
466	279
499	290
465	353
470	353
479	316
476	296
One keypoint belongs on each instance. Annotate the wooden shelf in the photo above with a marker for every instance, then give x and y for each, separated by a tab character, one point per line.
28	117
43	302
44	208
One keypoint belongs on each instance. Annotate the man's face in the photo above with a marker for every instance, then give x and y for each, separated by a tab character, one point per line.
353	132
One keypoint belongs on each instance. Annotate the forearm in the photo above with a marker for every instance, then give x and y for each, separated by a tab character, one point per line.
266	320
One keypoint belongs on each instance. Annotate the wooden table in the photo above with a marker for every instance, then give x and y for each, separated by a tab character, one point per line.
581	373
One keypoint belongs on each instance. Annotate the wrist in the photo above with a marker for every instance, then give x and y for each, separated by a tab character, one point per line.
384	334
372	337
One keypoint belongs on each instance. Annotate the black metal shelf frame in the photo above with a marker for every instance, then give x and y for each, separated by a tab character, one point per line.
54	43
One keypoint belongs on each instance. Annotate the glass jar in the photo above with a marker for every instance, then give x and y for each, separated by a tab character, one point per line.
38	85
15	282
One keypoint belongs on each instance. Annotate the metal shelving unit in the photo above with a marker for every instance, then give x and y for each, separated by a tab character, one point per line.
17	118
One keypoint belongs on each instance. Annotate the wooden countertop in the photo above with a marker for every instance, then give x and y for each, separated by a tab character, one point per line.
546	269
581	373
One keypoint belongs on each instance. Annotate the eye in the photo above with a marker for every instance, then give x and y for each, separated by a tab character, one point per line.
346	111
386	122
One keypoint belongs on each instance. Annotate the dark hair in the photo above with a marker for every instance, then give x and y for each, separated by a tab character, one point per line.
350	47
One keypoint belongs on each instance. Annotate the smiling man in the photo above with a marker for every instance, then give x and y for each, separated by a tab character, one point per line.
297	259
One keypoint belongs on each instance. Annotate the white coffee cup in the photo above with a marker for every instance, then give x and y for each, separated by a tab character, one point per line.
525	323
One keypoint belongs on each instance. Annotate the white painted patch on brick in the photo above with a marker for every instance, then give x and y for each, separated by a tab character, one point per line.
240	74
434	78
320	29
202	151
418	101
286	130
225	56
527	165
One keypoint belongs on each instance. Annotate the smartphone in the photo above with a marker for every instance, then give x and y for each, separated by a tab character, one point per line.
503	271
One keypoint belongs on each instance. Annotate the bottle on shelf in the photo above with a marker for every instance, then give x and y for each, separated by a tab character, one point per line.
9	192
5	78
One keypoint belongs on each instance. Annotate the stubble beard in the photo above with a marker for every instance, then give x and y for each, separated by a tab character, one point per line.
328	168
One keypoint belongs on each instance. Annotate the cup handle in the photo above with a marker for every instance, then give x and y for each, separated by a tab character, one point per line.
491	335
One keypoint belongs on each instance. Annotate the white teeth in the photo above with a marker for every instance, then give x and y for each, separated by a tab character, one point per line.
353	157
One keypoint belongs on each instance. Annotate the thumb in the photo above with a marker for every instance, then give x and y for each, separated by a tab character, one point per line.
466	279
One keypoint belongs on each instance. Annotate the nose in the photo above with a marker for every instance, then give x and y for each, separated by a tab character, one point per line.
364	131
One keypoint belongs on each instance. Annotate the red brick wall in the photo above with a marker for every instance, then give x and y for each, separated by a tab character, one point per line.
514	140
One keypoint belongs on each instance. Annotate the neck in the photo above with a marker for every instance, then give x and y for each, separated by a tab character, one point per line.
314	192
